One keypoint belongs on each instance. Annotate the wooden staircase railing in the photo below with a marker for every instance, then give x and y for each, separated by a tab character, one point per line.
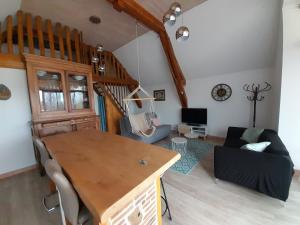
115	81
35	35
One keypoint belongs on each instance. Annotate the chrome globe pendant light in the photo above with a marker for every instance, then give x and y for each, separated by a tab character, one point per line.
183	32
99	60
176	9
169	18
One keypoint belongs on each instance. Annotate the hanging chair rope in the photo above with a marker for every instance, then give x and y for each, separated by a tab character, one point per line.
141	123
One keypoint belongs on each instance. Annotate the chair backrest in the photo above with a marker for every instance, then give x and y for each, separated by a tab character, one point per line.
42	150
51	167
69	199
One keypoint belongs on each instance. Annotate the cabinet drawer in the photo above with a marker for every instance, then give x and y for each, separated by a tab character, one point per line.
53	130
86	125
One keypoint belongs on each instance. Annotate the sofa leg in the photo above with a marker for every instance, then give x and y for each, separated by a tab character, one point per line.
282	203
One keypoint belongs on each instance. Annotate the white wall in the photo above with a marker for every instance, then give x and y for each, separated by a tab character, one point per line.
236	111
16	149
231	42
278	73
289	120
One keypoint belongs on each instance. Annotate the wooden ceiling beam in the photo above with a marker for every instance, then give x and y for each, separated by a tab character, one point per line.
134	9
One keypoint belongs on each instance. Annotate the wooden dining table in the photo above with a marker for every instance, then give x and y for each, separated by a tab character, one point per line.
116	178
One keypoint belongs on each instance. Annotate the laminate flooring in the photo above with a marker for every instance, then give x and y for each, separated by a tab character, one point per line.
195	199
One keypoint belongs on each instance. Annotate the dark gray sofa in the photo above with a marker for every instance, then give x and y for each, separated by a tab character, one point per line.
269	172
161	132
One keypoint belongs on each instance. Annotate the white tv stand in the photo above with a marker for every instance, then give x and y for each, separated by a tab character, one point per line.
192	131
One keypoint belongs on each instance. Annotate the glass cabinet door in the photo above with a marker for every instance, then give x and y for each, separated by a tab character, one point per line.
78	89
51	94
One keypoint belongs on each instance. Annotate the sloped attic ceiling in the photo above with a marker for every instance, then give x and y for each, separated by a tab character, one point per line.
227	36
115	30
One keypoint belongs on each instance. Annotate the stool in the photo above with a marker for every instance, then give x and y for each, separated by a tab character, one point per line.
179	144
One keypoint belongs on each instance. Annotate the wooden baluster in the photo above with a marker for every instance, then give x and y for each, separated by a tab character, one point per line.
77	45
119	70
113	63
28	19
86	54
69	45
0	38
50	38
9	34
123	73
20	31
82	49
40	34
59	32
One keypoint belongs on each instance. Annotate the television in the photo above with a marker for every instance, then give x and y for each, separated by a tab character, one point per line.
194	116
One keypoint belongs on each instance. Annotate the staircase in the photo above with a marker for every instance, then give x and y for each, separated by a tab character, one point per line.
40	36
115	82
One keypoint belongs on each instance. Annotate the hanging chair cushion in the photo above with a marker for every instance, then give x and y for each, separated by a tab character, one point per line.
141	125
139	122
153	119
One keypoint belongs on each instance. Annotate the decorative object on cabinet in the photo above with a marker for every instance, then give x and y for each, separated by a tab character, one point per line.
5	93
255	90
159	95
221	92
61	96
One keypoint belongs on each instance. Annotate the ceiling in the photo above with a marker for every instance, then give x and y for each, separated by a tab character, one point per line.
115	30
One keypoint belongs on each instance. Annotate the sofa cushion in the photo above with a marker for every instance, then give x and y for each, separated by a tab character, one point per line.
234	142
251	135
257	147
276	146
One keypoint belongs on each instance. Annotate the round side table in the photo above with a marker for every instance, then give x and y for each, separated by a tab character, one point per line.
179	144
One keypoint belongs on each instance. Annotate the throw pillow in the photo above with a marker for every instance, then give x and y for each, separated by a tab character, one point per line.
251	135
257	147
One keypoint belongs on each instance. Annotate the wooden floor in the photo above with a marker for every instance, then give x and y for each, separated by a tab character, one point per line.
194	199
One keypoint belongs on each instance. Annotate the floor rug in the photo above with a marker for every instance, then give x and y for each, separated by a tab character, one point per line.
196	150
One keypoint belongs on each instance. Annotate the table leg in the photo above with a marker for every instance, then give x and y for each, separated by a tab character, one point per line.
159	216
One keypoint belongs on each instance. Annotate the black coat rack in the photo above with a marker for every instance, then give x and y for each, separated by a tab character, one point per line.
256	90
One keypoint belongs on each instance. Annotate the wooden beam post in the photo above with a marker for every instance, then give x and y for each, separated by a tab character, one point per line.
132	8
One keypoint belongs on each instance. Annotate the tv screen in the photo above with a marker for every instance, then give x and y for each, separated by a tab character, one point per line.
194	116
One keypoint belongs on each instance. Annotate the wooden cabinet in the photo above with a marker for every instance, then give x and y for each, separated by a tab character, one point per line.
61	96
58	88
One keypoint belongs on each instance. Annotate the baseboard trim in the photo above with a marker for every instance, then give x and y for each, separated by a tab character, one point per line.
216	138
19	171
